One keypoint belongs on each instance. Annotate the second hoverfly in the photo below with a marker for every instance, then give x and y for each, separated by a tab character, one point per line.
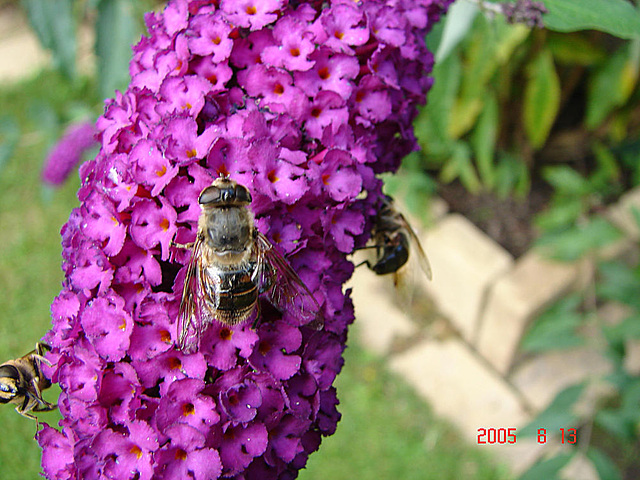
231	265
393	240
22	382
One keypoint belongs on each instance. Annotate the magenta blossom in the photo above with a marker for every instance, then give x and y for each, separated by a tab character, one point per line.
67	153
304	103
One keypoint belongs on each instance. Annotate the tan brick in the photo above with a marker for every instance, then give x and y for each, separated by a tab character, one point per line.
379	321
22	56
632	359
621	213
541	378
459	387
515	299
438	208
465	262
579	468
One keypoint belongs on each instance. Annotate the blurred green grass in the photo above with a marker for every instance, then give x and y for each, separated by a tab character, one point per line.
386	432
31	216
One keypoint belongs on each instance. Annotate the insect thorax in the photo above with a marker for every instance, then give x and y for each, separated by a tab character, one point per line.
227	229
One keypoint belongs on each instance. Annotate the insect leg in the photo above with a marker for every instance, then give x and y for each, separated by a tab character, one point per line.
186	246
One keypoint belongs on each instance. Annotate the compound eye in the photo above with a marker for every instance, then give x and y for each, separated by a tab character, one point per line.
210	194
242	194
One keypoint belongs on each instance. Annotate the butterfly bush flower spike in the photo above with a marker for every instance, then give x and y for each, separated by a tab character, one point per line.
303	103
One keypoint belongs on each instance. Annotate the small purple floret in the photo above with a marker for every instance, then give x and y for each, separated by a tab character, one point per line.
67	153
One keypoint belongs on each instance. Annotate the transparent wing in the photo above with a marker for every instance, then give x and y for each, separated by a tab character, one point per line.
285	288
416	248
193	315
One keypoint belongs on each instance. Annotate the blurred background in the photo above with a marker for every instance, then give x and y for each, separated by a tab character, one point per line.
525	197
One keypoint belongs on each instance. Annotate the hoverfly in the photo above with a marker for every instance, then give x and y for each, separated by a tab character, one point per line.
394	240
22	382
231	265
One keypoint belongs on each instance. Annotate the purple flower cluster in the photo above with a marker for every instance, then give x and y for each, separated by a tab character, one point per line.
525	11
303	103
67	153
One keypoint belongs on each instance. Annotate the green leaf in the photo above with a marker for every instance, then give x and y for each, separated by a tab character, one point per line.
480	64
484	139
617	422
610	86
559	414
573	243
619	282
617	17
561	215
488	49
574	49
460	166
457	24
566	181
608	167
433	119
541	98
116	30
54	25
556	328
606	468
512	176
627	329
547	469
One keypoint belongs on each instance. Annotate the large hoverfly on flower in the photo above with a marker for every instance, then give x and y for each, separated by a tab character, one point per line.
22	382
394	240
231	265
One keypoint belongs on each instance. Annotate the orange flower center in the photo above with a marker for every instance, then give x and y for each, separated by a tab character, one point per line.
323	73
135	449
188	409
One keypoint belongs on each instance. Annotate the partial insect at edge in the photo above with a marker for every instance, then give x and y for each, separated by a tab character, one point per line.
22	382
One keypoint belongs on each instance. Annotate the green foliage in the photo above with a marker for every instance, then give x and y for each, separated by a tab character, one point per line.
55	26
579	240
541	98
564	326
548	469
611	84
117	24
604	466
570	230
622	420
556	328
616	17
505	97
117	27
